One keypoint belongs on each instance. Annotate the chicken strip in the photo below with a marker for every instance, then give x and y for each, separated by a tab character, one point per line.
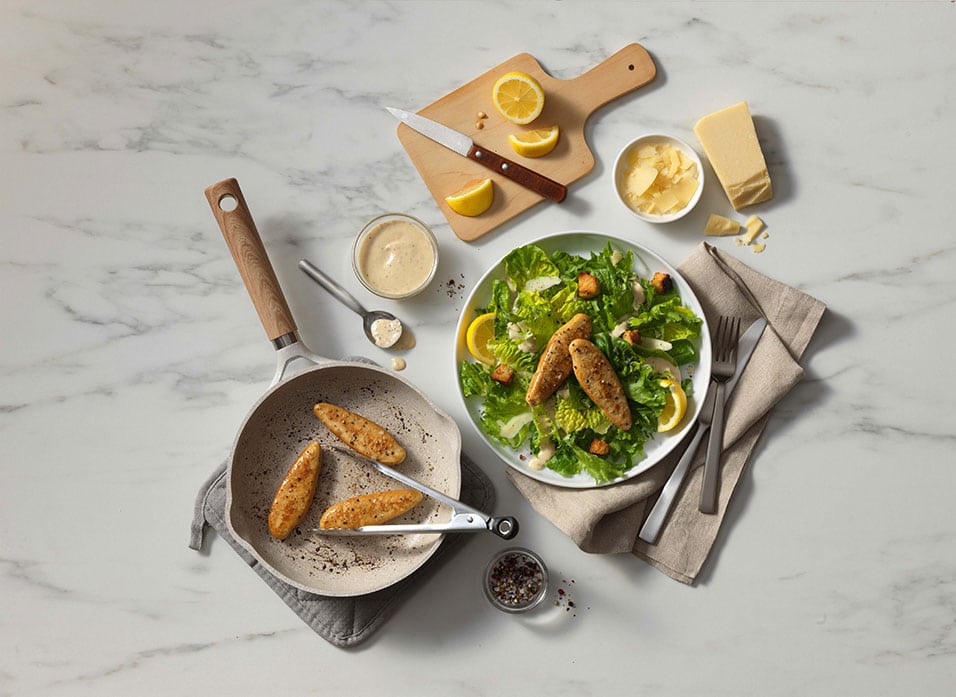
362	435
294	495
599	381
554	366
370	509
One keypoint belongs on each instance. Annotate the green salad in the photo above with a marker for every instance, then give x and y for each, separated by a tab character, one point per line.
639	324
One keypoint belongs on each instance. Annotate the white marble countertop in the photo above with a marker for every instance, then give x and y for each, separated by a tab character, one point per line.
131	352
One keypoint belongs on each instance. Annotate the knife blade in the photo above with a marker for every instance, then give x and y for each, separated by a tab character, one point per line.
466	147
655	519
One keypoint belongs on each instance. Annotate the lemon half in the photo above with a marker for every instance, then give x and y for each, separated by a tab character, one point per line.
472	199
674	407
480	332
536	143
518	97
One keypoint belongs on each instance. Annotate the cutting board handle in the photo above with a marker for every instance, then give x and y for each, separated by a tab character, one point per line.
229	206
626	70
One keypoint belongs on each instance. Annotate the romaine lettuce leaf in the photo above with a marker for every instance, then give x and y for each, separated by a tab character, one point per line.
528	262
475	379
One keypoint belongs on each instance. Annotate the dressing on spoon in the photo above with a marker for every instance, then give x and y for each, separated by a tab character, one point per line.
382	328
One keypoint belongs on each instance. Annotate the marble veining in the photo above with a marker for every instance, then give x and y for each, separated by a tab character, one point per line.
131	352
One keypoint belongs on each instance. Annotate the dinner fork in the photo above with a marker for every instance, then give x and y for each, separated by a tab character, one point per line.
725	361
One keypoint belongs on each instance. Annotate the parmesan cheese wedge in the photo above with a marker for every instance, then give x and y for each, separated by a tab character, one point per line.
730	141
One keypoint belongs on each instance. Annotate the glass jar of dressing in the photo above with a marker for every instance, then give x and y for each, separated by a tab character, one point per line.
395	255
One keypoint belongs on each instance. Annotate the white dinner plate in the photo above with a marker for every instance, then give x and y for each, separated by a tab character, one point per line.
646	263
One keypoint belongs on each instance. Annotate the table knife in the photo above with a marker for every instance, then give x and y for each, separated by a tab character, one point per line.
465	146
655	519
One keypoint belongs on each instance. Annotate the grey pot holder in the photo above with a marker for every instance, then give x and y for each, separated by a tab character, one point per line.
343	622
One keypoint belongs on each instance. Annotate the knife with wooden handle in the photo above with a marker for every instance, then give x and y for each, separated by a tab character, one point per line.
466	147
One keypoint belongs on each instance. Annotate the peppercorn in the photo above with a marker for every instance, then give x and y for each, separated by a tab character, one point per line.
516	580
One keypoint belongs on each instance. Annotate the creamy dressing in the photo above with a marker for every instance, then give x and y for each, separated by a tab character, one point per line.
385	332
396	257
545	453
518	331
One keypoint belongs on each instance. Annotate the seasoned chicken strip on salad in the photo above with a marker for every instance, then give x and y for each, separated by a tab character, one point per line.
599	381
554	366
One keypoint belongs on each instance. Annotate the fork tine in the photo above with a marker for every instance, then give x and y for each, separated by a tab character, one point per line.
719	337
734	338
730	340
725	338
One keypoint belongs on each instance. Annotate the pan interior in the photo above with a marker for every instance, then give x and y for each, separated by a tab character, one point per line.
277	430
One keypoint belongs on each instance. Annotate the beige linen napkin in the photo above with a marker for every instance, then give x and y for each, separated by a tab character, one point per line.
608	519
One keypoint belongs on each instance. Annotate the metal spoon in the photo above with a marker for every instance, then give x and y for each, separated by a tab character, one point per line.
369	317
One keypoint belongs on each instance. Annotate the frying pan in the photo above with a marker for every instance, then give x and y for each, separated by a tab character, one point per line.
281	423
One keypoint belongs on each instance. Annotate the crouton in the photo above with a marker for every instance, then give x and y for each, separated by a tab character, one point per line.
599	447
632	336
662	282
588	286
504	374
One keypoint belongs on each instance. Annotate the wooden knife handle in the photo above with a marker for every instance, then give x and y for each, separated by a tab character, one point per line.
229	206
528	178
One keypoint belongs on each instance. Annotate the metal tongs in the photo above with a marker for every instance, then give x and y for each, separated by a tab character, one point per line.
464	518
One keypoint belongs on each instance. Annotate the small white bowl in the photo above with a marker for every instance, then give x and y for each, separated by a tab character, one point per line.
620	175
395	254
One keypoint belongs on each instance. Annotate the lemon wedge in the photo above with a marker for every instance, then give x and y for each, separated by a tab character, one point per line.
480	332
518	97
674	407
474	198
536	143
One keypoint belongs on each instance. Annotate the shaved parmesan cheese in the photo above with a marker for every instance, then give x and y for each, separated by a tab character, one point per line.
659	179
658	344
510	428
541	283
663	366
620	327
640	179
637	290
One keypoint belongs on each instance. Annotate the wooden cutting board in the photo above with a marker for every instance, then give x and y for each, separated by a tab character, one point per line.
567	103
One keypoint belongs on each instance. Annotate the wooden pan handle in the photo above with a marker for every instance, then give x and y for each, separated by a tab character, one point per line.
626	70
229	206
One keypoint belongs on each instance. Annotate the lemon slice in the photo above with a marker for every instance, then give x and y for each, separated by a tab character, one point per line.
480	332
518	97
674	408
536	143
472	199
